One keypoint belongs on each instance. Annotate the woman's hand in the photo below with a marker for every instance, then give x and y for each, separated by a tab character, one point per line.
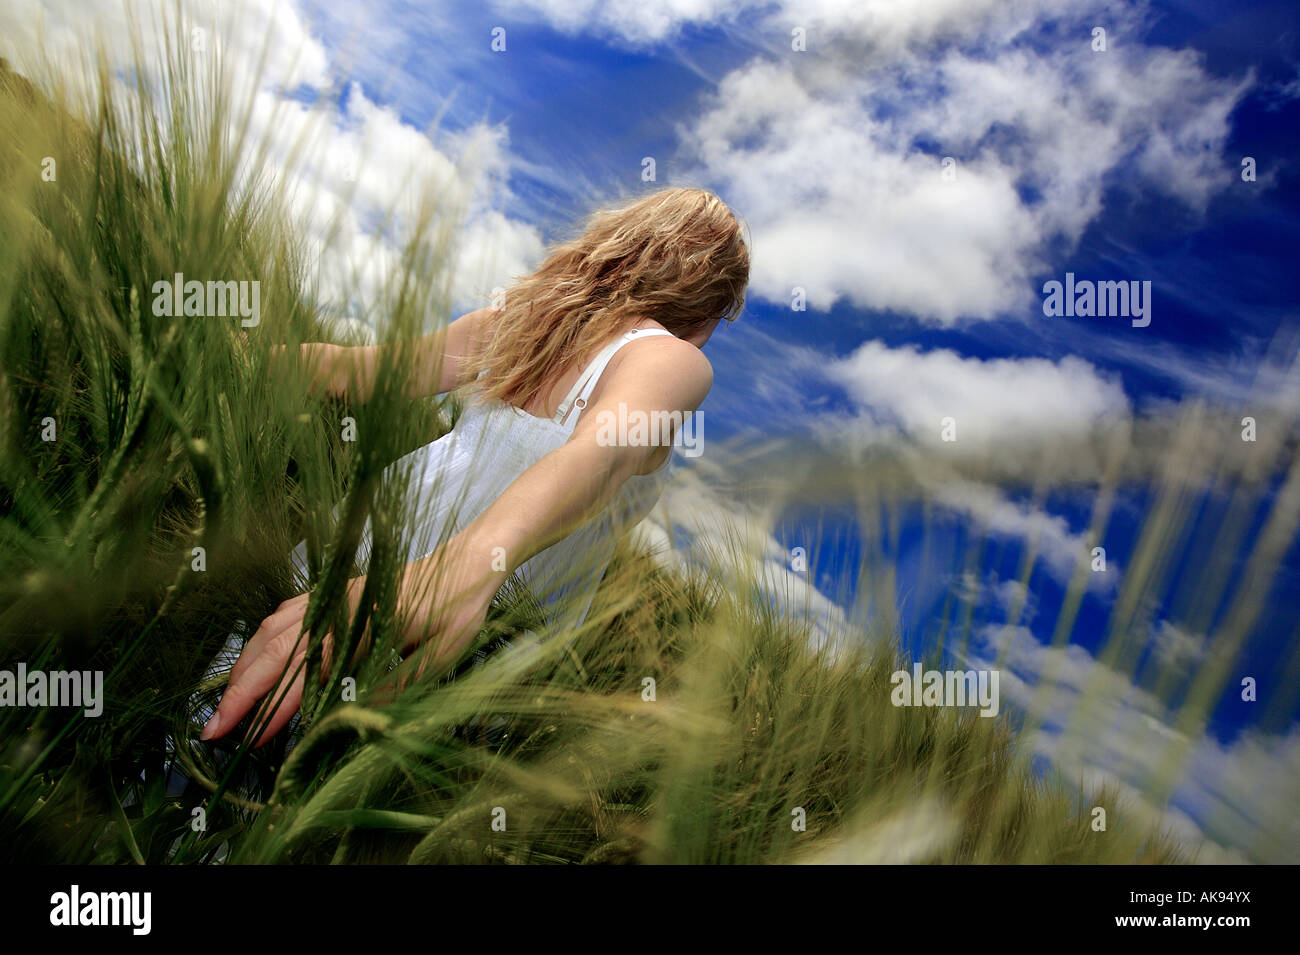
279	640
442	603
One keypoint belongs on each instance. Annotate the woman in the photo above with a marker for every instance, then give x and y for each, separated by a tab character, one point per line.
612	323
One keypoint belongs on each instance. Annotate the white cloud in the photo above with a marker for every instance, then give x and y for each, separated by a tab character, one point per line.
258	39
887	22
840	206
1016	601
833	155
993	401
1014	419
392	164
1175	647
1060	550
633	21
1019	422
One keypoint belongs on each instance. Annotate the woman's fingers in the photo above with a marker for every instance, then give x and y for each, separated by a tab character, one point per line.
261	674
261	667
288	706
292	609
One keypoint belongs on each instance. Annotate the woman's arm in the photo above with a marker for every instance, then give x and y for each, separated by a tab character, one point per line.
562	490
438	360
581	477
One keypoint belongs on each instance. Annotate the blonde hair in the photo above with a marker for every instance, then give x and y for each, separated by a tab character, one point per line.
676	255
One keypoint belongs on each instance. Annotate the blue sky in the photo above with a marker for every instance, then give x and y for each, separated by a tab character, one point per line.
924	293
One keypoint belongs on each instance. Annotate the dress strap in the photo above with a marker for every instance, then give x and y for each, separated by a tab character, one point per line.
582	388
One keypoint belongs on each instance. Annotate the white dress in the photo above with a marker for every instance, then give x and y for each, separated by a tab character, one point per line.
455	478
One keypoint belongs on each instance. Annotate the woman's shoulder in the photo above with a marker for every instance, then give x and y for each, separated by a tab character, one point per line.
669	348
662	370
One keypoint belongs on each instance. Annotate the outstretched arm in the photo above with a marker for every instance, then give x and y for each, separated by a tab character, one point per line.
438	360
444	597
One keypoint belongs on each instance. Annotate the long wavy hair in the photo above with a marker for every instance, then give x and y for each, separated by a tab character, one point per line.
676	256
